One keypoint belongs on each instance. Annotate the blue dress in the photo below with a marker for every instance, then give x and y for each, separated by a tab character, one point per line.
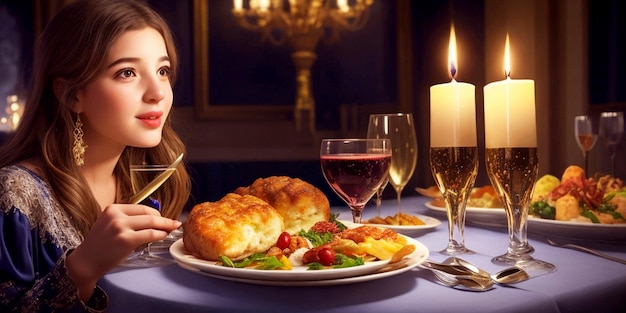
36	235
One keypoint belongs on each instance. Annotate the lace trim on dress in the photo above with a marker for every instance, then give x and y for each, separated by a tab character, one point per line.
23	190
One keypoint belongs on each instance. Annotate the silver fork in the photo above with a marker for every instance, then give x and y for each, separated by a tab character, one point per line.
587	250
445	279
462	281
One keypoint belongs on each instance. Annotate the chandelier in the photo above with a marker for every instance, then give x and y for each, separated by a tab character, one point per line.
302	23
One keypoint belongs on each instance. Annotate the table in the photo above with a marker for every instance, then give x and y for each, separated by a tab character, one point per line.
582	282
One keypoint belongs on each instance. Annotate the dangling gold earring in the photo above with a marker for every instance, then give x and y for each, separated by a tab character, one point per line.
79	147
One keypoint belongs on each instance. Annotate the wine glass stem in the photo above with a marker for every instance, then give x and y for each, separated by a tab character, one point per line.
379	200
357	213
612	153
145	252
399	194
456	224
517	215
586	162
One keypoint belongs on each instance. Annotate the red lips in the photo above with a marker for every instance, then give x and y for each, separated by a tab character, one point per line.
151	119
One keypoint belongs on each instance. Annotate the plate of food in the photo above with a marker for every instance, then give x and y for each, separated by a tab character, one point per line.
299	275
579	207
407	264
403	223
281	229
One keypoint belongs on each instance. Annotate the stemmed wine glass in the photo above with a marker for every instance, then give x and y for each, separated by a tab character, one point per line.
400	129
140	176
373	134
585	137
355	169
611	130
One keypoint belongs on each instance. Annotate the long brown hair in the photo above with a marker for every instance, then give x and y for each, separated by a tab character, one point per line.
74	47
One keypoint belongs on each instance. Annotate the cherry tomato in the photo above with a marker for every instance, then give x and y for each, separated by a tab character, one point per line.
326	256
284	240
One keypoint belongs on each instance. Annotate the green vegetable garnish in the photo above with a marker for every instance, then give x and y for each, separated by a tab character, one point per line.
317	239
269	263
543	210
588	214
263	262
340	225
314	266
343	261
227	261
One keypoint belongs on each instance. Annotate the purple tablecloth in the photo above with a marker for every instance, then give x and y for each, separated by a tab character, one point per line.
582	282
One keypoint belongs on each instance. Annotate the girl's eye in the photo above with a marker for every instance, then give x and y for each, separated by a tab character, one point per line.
126	73
164	71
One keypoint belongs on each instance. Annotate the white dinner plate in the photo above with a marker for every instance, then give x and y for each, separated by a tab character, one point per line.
429	223
609	233
409	263
297	274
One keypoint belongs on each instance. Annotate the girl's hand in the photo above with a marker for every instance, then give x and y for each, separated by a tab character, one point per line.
119	230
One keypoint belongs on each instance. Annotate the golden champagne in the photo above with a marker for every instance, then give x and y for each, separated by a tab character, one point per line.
512	172
455	170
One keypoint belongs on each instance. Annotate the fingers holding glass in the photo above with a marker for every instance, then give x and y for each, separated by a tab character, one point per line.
141	176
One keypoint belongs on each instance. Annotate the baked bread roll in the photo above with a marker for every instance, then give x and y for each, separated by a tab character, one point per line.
235	226
300	203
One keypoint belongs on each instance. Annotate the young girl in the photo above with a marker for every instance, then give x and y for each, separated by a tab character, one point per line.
99	100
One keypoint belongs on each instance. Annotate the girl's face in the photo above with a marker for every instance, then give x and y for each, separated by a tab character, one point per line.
127	103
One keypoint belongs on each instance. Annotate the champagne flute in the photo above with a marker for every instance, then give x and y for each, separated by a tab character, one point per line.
400	129
512	165
355	169
585	137
455	169
611	130
140	176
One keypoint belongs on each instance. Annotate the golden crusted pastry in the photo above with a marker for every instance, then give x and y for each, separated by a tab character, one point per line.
235	226
300	203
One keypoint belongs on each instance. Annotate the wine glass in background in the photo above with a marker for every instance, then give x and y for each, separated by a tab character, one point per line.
372	134
355	169
379	195
140	176
400	129
611	130
585	137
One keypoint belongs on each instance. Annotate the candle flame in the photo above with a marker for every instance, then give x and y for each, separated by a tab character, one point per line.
507	58
452	59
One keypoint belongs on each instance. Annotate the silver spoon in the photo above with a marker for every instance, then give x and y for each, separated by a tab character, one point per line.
510	275
464	282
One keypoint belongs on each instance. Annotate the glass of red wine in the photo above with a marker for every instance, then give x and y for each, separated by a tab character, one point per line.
355	169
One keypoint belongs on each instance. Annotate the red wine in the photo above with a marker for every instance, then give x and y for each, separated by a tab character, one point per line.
355	177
